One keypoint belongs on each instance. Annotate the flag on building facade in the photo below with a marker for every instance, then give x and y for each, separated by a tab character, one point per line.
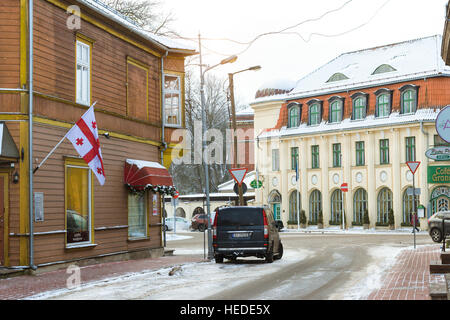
84	138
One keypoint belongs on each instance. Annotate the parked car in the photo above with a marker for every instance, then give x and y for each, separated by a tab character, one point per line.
182	224
246	231
435	225
199	222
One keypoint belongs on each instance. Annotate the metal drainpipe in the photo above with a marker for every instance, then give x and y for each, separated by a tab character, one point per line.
30	133
163	115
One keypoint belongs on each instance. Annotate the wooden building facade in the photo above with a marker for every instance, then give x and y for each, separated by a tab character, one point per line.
83	52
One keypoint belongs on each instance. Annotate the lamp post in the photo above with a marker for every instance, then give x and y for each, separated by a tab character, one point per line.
230	59
233	115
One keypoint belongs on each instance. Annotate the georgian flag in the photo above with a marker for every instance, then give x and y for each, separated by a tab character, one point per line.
84	138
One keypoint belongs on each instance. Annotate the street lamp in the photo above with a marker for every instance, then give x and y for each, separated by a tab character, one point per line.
230	59
233	114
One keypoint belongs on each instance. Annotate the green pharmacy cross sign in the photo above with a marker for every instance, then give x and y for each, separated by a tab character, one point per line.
255	184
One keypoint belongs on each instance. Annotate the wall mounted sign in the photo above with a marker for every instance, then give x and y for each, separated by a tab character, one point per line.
438	153
438	174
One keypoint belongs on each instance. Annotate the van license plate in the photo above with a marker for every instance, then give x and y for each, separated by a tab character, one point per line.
241	235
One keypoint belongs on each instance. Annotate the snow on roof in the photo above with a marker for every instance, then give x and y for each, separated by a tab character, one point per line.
112	14
246	112
141	164
275	87
405	60
395	118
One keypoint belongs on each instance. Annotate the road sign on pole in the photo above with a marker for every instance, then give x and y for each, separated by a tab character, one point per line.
238	174
413	165
443	124
344	187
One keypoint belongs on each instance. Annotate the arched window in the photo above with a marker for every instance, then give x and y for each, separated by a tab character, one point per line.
336	110
384	204
383	105
408	101
293	116
359	106
314	114
408	207
440	199
180	212
315	205
384	68
336	207
337	77
359	205
275	204
293	207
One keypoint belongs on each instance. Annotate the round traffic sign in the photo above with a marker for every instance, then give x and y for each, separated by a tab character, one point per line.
344	187
176	195
443	124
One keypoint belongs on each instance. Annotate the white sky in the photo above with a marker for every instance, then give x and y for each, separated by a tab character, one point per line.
287	56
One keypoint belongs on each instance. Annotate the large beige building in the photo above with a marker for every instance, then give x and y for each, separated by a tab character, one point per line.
357	120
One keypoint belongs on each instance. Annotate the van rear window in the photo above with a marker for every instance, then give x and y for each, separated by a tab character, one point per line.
240	217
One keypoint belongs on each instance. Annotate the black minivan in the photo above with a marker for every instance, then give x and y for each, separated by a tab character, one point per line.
246	231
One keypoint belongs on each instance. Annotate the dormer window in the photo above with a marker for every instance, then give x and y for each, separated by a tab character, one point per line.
384	68
336	108
408	99
359	106
337	77
293	115
314	112
383	103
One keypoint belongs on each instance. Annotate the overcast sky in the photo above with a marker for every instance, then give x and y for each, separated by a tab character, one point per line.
349	25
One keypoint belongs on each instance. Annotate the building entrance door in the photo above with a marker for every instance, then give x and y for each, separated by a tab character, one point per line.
276	211
2	218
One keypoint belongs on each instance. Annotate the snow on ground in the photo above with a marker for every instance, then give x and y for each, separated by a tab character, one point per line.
192	281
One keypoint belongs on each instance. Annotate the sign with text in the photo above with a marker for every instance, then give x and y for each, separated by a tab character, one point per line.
441	153
438	174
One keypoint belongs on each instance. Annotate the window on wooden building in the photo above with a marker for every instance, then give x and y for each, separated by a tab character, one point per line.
78	204
137	215
83	73
172	100
137	89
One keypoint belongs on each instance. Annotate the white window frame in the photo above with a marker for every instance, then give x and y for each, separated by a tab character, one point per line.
172	91
83	86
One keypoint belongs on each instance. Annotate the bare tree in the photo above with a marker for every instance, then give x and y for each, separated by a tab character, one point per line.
146	14
189	178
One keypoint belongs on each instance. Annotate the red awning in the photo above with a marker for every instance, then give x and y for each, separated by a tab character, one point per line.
140	174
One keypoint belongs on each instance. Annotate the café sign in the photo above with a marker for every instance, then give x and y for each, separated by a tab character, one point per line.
438	174
438	153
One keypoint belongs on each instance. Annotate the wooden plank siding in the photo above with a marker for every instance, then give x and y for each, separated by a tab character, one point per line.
9	44
128	106
110	200
55	64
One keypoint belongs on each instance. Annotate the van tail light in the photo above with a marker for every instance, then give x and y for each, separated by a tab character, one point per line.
266	225
215	225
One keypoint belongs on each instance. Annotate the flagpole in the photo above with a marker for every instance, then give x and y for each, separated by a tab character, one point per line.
50	153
